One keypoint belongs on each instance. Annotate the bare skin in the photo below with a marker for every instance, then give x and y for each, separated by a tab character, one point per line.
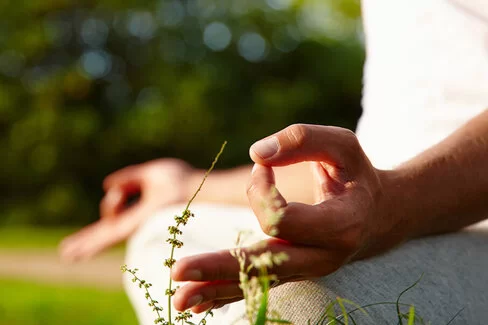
361	211
344	209
161	183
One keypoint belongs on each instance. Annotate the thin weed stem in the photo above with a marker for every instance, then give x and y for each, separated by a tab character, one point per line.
400	321
143	284
185	212
456	315
359	308
203	321
206	175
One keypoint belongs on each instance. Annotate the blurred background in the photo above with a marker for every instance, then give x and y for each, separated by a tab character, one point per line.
88	87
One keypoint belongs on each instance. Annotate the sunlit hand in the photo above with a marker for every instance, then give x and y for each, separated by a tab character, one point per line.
158	182
350	219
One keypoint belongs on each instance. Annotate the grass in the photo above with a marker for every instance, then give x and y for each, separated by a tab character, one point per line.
37	238
29	237
27	302
31	303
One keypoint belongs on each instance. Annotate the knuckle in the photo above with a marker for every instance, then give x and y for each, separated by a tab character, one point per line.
251	190
220	272
352	151
350	139
272	225
298	134
266	227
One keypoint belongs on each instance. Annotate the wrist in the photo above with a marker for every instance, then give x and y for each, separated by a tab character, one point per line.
399	203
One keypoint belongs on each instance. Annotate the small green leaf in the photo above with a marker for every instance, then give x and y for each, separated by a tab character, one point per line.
343	310
261	317
411	315
330	312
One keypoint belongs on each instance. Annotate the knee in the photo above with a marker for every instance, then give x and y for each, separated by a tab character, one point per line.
300	302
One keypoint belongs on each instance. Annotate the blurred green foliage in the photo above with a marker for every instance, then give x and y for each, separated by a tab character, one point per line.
87	87
32	237
31	303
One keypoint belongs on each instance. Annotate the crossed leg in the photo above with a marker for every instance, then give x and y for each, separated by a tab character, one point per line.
454	270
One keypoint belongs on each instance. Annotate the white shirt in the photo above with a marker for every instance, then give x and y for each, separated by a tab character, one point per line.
426	74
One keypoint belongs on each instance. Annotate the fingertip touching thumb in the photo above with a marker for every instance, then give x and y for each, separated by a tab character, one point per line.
264	149
298	143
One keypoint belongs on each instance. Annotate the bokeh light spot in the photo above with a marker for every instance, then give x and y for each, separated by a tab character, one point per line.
96	63
252	46
141	25
279	4
172	13
217	36
94	32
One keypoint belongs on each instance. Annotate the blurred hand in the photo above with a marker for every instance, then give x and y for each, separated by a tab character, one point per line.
159	182
351	218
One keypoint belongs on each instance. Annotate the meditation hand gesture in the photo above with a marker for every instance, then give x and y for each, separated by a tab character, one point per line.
158	182
350	219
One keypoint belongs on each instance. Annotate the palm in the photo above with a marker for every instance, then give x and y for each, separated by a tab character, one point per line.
156	183
348	220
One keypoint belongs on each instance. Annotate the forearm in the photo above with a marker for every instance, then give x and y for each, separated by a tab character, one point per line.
229	186
446	187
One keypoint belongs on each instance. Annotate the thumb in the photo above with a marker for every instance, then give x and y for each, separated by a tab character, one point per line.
120	188
305	142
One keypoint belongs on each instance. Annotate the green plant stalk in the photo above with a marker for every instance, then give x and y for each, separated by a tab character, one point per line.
343	309
203	320
184	211
261	317
411	316
150	297
400	321
142	283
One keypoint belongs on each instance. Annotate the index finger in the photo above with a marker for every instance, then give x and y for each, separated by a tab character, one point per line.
128	177
298	223
336	146
303	262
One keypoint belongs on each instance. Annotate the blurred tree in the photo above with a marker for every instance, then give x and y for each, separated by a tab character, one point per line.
90	86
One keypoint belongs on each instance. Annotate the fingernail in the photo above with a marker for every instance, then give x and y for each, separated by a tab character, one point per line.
192	275
193	301
254	168
266	148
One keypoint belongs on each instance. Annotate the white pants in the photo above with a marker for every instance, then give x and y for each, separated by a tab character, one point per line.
454	268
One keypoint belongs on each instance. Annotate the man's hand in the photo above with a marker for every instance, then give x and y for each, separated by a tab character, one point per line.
349	220
158	183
